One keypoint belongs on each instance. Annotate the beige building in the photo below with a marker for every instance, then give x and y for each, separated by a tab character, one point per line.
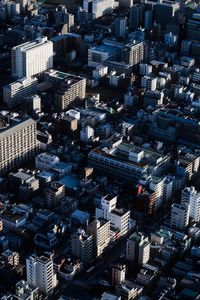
100	229
54	193
18	141
138	249
118	274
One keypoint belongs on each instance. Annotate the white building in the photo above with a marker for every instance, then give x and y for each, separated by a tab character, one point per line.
99	7
119	218
138	249
44	161
99	72
86	133
170	39
32	58
14	92
179	215
192	197
40	272
149	82
118	274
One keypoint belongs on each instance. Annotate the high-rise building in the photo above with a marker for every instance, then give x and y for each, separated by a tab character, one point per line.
32	58
179	216
119	26
193	27
40	272
118	274
166	12
191	197
18	141
149	82
136	15
133	54
138	248
98	8
14	93
100	230
82	246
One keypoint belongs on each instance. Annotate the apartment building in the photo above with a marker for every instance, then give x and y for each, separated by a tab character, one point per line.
100	230
14	93
138	248
82	246
32	58
18	141
179	216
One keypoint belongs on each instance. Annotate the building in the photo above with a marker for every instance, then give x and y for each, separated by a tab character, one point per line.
10	257
166	12
191	197
119	218
138	249
40	272
44	161
82	246
119	27
193	31
71	91
136	15
129	290
149	82
133	54
118	274
18	141
145	69
86	134
179	216
14	93
100	230
98	8
25	291
127	162
32	58
32	104
53	194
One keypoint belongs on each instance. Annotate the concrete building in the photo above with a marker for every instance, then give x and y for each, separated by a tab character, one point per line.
119	27
138	249
82	246
25	291
179	216
71	91
18	141
44	161
118	274
133	54
40	272
10	257
119	218
98	8
191	197
53	194
149	83
32	58
14	93
100	230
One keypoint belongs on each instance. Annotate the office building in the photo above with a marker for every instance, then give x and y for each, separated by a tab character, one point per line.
136	15
179	216
40	272
118	274
32	58
100	230
166	12
191	197
133	54
53	194
145	69
14	93
18	141
71	91
119	26
193	27
82	246
138	249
